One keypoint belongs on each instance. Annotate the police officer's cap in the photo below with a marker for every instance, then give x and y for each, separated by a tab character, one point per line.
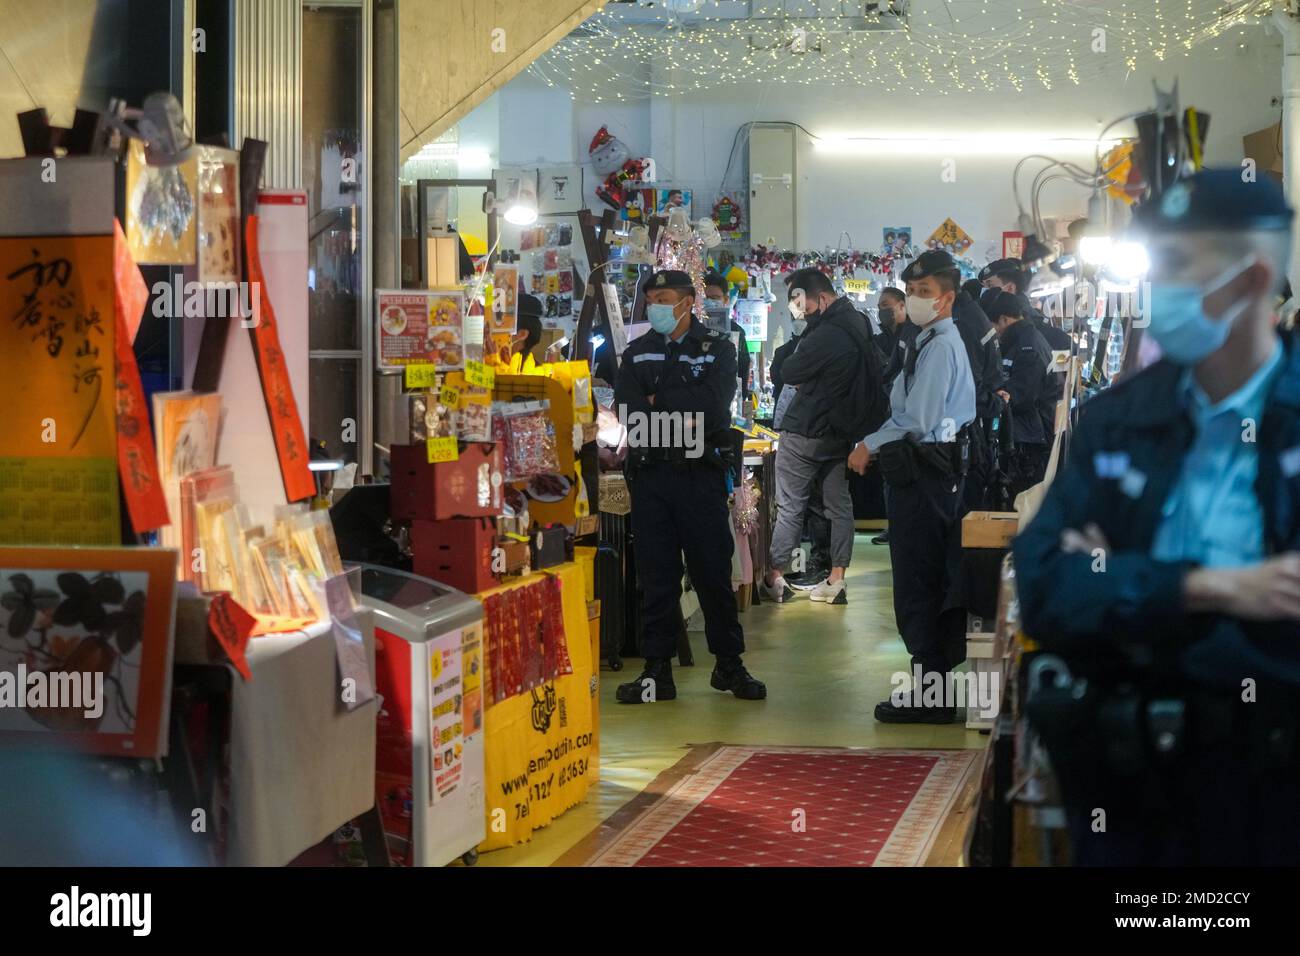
1218	200
1004	303
931	262
671	279
1000	267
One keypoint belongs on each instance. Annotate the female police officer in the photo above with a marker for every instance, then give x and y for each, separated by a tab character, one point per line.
674	392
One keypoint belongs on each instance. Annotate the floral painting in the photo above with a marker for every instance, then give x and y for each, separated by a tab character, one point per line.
85	651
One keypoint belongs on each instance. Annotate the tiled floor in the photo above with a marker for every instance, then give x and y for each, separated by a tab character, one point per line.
825	668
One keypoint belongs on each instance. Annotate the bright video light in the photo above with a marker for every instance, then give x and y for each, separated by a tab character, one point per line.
1127	261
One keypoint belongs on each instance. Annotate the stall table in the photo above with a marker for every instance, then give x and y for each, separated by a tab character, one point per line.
543	746
301	764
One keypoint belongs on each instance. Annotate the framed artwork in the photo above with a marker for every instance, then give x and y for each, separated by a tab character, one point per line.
1013	245
86	648
668	199
896	240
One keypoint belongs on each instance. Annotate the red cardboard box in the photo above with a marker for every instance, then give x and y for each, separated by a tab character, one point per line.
456	552
469	487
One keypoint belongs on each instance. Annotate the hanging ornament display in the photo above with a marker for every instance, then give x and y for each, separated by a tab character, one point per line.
841	263
726	214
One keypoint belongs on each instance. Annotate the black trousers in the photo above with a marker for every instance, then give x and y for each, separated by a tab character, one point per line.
925	552
1029	467
975	491
678	511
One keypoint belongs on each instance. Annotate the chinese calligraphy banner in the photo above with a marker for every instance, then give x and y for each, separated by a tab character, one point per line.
58	455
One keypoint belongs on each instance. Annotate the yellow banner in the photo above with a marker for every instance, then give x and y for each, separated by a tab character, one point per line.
542	747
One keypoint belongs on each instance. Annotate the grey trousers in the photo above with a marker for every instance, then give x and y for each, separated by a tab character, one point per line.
798	465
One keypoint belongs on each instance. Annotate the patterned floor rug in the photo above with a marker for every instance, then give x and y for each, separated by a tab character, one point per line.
726	805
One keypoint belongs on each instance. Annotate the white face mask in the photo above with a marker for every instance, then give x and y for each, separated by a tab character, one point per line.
921	312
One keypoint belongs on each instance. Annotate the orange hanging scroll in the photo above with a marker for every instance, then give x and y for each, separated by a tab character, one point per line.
286	424
137	464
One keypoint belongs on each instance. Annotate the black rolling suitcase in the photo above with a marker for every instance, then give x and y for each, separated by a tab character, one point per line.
612	594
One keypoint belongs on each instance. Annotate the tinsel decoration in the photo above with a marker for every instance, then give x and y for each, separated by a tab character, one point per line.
745	511
690	256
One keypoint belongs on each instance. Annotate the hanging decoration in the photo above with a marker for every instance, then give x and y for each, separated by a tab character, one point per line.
951	238
727	216
686	248
930	47
839	264
610	158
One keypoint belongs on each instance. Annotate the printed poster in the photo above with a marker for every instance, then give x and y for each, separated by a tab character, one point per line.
751	315
446	720
951	238
896	240
668	199
1013	245
421	328
58	451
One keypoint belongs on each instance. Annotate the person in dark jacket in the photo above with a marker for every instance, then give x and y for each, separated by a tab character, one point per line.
1008	275
783	352
892	311
717	298
981	341
1025	389
1162	571
674	393
816	429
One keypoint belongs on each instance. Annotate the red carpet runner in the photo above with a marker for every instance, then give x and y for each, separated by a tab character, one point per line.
796	806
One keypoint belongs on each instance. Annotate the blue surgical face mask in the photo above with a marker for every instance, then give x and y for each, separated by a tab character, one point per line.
662	318
1185	334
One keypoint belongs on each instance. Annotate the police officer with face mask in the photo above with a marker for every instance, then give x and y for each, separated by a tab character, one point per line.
673	393
923	452
1163	567
717	305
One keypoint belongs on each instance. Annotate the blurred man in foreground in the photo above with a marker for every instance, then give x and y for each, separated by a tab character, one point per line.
1162	565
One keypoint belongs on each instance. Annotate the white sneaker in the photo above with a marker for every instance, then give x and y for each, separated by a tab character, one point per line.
830	593
778	592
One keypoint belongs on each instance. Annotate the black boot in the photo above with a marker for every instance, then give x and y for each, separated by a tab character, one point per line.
730	674
907	711
654	684
882	538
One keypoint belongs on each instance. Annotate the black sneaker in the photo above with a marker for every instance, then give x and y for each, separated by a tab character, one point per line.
807	580
882	538
730	674
654	684
887	712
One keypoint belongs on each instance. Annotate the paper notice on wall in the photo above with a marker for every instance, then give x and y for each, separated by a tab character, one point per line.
446	721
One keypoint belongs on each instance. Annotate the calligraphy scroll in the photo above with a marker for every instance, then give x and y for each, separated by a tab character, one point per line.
58	451
136	463
277	390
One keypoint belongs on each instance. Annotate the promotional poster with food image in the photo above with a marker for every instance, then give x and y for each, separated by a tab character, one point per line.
421	328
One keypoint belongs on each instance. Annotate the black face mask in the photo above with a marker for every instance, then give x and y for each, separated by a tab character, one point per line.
887	318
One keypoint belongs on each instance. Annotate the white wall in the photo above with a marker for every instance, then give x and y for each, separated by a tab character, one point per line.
690	138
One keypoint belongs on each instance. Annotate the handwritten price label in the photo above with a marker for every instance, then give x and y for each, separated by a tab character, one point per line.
421	376
449	397
442	449
476	373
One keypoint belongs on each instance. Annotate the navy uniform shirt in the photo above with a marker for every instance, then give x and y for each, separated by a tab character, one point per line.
694	374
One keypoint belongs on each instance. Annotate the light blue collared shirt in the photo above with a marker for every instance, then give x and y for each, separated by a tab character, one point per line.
1212	516
939	399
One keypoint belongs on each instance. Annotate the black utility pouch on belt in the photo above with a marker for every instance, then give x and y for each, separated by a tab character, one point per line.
898	464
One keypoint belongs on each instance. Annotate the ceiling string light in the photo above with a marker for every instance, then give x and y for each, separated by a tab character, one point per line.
633	53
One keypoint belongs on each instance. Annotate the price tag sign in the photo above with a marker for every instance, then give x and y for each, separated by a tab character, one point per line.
442	449
421	376
476	373
449	397
857	286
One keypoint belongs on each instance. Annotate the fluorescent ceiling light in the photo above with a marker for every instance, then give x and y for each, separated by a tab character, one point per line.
975	144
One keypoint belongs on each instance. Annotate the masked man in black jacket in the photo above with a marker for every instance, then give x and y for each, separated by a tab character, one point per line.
1161	571
1026	389
837	374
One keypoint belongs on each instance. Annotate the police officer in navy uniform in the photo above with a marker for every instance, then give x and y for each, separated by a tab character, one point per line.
679	492
1162	567
923	451
1026	389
